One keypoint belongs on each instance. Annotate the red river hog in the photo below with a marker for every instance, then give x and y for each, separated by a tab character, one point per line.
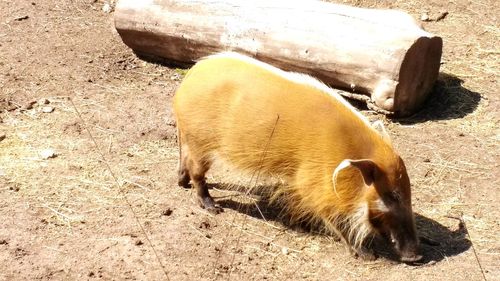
339	170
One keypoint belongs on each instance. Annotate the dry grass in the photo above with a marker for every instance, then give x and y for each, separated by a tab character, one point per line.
66	217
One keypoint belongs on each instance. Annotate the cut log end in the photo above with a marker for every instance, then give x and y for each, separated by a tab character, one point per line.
418	73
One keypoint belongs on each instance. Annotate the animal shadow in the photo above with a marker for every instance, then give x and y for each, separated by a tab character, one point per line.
437	242
443	241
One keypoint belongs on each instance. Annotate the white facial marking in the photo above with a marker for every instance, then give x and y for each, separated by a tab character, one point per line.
380	205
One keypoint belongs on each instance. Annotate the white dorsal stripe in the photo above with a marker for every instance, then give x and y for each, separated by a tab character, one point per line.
379	124
294	77
380	128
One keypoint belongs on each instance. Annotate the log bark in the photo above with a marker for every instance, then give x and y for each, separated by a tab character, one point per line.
383	54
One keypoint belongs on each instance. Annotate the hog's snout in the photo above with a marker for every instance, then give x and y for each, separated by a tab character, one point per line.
411	257
406	246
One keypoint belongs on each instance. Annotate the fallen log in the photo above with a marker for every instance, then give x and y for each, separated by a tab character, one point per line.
383	54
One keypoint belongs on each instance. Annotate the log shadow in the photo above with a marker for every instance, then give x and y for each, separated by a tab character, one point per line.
158	60
437	241
447	100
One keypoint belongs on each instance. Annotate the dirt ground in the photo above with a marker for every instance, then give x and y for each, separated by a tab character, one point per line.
67	80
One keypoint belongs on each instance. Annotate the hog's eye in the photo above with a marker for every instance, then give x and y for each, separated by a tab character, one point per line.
392	197
396	195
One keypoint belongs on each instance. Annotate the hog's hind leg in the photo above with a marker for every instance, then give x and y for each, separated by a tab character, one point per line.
184	177
197	170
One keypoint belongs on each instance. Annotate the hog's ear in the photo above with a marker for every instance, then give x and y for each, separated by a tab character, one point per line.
366	166
380	128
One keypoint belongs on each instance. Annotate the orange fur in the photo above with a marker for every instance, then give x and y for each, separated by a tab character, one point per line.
228	106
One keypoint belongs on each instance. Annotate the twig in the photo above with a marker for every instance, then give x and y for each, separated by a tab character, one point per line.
268	239
150	162
124	196
201	233
107	88
462	222
21	18
59	214
107	247
366	99
262	250
136	184
54	249
452	167
257	173
110	143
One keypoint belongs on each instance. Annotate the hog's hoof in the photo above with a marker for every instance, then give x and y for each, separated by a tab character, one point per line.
208	204
215	209
184	182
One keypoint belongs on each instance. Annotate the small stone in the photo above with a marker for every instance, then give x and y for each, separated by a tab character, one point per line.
106	8
2	136
48	153
425	17
43	101
285	251
29	105
167	212
138	242
11	106
204	225
47	109
442	15
175	77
